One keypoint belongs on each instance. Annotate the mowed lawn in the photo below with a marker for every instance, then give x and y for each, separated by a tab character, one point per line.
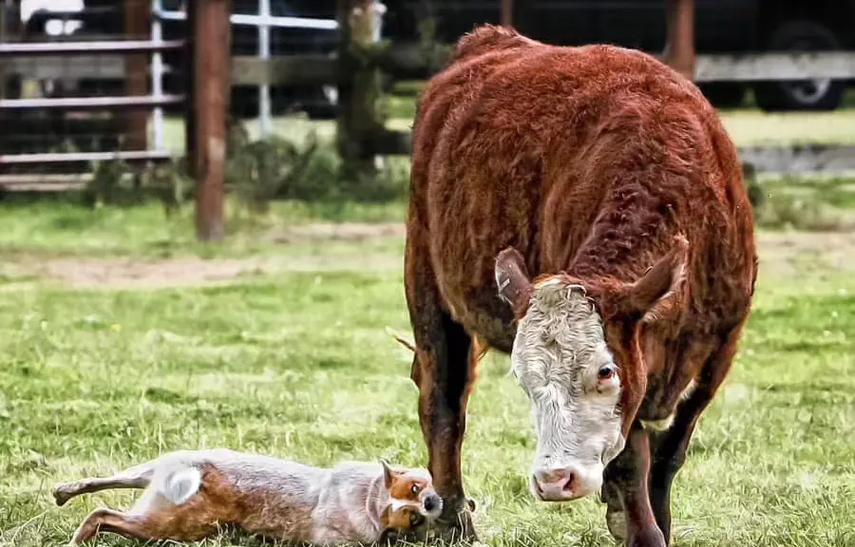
285	352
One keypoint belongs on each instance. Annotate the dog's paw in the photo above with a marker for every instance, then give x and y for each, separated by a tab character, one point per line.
62	493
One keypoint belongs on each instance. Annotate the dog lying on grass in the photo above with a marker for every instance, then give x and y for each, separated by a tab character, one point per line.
191	495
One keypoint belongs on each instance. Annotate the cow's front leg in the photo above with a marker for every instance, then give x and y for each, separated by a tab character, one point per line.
444	371
629	514
670	446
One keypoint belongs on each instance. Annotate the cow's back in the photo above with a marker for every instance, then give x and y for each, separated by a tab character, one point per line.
588	160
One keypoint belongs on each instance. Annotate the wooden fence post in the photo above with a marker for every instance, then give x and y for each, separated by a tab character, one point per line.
3	8
210	57
506	13
360	120
137	16
679	51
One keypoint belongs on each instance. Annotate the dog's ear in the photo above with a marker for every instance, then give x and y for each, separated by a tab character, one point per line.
388	474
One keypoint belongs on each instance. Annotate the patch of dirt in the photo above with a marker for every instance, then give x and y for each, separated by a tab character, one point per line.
346	231
782	255
113	273
128	273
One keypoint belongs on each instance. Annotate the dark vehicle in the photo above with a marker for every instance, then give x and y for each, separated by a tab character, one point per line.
722	26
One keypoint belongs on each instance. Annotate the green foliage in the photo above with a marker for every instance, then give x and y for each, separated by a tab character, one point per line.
170	183
107	185
263	170
806	204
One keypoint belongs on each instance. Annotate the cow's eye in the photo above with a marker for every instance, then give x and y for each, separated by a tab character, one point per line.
606	373
415	489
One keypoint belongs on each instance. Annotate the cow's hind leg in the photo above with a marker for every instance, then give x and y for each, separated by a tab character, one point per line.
443	369
668	449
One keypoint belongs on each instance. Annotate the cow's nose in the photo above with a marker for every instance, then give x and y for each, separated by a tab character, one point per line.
558	484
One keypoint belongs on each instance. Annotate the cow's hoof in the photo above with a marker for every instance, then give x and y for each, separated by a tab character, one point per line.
648	537
455	524
616	522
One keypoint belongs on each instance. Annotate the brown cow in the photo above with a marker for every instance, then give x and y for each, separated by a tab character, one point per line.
608	177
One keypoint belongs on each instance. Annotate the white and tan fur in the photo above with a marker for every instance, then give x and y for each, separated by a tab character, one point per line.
191	495
558	351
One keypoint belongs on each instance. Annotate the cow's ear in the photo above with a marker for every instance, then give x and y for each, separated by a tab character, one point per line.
512	280
659	293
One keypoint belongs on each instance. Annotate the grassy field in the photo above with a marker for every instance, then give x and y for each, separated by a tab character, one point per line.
120	339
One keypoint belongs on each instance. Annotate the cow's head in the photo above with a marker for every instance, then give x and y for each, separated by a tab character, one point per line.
578	356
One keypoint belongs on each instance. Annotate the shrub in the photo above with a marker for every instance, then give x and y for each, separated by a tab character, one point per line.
275	168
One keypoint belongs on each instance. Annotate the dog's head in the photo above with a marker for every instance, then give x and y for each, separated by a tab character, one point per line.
404	521
412	498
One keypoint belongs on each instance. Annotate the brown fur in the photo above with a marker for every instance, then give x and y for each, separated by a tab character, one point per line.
231	498
217	505
596	163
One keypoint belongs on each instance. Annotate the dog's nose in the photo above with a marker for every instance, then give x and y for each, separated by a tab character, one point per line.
432	503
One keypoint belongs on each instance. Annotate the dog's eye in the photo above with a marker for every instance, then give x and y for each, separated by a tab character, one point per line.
416	519
415	489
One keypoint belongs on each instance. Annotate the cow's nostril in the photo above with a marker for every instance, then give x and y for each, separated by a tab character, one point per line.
536	484
568	486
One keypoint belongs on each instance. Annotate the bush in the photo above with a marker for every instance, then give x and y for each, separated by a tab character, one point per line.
797	212
108	185
275	168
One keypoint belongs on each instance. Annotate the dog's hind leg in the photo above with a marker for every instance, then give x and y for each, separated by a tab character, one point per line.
135	477
106	520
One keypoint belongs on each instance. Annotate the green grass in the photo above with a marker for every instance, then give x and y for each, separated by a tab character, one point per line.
45	227
815	204
749	127
297	364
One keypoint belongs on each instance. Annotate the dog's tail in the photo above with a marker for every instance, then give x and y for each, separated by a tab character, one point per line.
135	477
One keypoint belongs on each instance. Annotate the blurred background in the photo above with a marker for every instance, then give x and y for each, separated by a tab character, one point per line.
125	333
98	86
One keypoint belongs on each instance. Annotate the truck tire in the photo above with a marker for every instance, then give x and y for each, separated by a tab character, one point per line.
724	94
823	94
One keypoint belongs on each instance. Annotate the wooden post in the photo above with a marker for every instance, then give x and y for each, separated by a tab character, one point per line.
4	6
211	54
507	13
679	51
137	15
359	119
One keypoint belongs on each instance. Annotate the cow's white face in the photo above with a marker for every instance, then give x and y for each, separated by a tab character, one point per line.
561	361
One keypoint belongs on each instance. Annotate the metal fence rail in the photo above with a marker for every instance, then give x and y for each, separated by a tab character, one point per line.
85	96
90	103
88	48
